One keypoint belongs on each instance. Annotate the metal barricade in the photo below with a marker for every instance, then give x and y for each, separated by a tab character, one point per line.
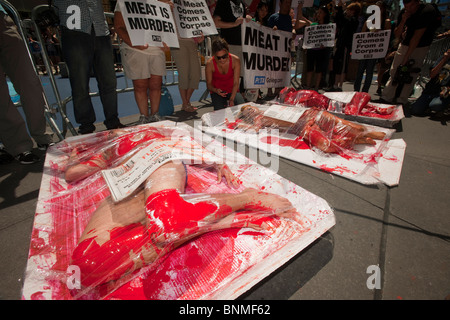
299	62
437	50
49	116
61	103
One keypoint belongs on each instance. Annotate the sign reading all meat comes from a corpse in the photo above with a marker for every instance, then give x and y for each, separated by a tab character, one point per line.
266	56
319	35
149	22
193	18
370	45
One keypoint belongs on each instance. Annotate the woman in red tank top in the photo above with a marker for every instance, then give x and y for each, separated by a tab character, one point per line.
222	76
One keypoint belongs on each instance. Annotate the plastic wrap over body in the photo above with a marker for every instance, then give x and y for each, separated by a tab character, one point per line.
87	243
313	136
317	128
352	105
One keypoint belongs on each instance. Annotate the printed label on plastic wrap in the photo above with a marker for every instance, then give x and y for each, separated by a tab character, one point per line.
123	180
285	113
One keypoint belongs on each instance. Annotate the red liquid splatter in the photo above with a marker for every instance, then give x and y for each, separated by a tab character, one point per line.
338	169
298	143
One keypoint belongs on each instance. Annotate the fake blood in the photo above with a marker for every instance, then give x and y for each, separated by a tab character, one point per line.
298	143
111	260
178	215
127	143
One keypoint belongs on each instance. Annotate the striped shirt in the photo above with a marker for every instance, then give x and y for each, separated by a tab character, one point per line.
91	14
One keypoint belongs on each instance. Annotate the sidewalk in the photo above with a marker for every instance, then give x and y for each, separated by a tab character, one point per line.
404	230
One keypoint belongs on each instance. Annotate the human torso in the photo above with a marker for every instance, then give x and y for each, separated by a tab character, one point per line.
229	11
223	75
425	17
281	21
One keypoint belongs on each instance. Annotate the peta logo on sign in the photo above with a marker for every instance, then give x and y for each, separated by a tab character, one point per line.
156	38
260	80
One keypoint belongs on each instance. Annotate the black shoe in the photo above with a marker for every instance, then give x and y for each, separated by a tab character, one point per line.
382	101
86	129
45	146
5	157
27	158
332	89
119	126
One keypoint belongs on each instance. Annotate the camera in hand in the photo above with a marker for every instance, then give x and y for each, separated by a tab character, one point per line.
403	73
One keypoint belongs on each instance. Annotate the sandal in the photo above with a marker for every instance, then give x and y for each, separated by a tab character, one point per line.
188	108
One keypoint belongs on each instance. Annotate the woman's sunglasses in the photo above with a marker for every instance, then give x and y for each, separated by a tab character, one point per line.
222	57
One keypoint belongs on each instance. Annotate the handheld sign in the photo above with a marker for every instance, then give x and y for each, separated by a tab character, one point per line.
193	18
149	22
319	35
370	45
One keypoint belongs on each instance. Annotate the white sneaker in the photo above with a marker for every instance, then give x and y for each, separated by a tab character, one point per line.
143	119
156	117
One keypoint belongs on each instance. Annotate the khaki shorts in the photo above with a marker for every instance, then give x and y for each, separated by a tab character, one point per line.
188	64
143	64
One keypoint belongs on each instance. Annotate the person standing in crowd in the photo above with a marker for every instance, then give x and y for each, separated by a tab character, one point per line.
228	17
436	95
346	24
52	43
316	61
116	48
36	52
145	65
189	69
16	63
416	25
368	65
85	47
262	13
282	19
222	76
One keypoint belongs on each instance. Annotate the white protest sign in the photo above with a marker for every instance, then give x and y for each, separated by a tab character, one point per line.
319	35
149	22
266	56
370	45
306	3
193	18
123	180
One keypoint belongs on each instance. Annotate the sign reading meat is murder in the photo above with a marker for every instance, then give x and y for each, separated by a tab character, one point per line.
266	56
149	22
370	45
319	35
193	18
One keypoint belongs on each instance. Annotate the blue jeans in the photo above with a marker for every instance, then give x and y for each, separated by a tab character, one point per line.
82	52
367	65
433	102
220	102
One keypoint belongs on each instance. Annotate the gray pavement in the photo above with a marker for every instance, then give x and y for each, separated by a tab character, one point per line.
403	230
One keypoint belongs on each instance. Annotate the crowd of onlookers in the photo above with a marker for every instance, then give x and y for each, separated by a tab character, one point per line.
413	30
87	52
